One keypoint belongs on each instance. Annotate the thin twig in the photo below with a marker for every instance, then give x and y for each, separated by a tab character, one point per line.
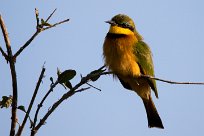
39	29
82	78
93	87
31	102
6	37
55	105
37	17
26	44
172	82
61	22
102	67
4	54
13	75
82	89
162	80
32	37
41	104
50	16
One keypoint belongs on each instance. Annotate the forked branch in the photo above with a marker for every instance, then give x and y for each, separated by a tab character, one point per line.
39	28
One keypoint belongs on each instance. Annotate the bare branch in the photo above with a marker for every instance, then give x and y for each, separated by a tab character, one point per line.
172	82
32	37
54	106
6	37
26	44
54	25
93	87
39	29
50	16
31	102
82	89
15	98
159	79
52	86
4	54
12	58
37	17
11	61
102	67
68	94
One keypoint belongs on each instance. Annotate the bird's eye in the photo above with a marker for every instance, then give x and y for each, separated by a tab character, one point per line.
127	25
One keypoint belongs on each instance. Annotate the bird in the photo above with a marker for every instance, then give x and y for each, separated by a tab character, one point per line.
128	57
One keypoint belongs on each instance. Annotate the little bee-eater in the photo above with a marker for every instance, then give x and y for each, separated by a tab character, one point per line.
128	56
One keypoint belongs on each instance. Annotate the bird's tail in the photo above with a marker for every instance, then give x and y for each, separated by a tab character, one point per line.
152	115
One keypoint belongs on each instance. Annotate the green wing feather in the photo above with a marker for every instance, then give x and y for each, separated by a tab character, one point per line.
144	59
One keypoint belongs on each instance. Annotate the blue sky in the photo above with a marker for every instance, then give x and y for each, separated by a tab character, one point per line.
174	31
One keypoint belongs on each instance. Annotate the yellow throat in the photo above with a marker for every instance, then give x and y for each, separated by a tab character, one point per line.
120	30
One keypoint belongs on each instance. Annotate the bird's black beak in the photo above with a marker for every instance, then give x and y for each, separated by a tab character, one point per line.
110	22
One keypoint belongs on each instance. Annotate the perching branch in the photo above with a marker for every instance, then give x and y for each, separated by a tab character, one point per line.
172	82
39	28
13	75
162	80
84	80
31	102
71	92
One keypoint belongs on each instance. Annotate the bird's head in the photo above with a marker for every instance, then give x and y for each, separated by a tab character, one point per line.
122	24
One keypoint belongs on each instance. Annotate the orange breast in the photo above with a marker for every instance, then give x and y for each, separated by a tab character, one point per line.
119	56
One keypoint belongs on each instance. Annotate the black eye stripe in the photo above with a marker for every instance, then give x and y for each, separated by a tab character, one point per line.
122	24
126	25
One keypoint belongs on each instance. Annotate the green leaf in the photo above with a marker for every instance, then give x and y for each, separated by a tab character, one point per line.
66	76
96	74
95	78
22	108
68	84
